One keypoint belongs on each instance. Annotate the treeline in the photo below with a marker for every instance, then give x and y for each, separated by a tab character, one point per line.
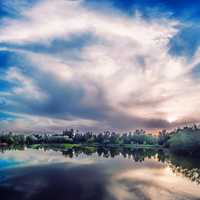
181	141
70	136
107	137
184	140
21	139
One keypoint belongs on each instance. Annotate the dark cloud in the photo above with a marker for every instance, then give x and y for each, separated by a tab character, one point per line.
121	121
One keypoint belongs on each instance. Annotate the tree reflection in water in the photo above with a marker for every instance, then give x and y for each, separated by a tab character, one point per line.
187	166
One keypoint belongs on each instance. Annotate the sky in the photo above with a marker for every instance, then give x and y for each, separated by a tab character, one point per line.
99	65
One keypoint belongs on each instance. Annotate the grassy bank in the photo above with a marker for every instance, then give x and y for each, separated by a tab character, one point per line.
94	146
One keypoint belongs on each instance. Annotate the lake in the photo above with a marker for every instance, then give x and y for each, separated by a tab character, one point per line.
140	174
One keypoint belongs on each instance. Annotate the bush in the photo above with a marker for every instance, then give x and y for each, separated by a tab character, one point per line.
185	142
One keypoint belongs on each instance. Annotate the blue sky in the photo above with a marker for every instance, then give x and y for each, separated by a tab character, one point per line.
107	64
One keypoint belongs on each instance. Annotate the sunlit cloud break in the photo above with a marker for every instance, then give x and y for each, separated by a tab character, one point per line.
92	65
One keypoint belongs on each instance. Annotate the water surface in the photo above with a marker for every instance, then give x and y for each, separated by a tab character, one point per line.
106	174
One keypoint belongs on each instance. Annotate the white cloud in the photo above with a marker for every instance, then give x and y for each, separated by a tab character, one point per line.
24	85
53	19
29	123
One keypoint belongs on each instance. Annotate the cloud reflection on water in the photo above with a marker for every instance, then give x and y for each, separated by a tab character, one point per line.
153	181
50	175
16	158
